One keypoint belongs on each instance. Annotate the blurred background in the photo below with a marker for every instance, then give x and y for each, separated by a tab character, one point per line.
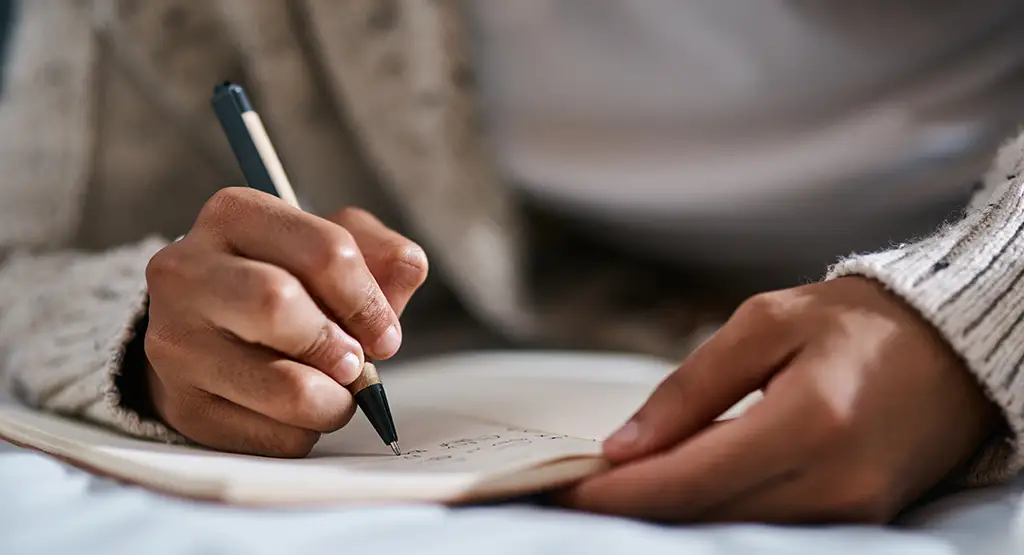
768	136
705	149
742	146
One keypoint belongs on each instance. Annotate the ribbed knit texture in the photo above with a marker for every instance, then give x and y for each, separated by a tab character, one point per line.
968	281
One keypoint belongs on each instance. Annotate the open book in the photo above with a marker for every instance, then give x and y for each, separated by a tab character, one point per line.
473	428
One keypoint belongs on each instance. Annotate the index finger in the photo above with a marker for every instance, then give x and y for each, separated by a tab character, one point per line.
734	362
716	466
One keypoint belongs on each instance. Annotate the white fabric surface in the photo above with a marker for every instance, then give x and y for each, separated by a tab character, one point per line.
47	507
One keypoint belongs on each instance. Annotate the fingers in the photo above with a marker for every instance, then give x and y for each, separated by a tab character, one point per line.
221	425
399	265
260	316
256	302
737	360
283	390
322	255
713	468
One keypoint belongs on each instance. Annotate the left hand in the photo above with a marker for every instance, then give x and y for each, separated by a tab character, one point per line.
865	408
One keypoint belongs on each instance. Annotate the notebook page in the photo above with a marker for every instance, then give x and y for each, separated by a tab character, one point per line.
436	441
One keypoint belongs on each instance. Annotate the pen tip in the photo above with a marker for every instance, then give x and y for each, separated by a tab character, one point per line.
396	448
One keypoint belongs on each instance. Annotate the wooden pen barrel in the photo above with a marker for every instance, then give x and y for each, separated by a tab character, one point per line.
366	379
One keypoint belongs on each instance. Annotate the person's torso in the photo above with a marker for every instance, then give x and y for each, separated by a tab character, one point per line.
159	151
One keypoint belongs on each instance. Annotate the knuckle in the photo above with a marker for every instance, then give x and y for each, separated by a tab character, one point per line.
166	264
763	307
667	402
273	293
226	203
372	313
675	387
324	350
335	253
347	214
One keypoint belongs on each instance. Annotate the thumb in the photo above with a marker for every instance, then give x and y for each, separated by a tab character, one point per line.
734	362
397	264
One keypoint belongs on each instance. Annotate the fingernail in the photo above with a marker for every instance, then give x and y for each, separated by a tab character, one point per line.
625	437
389	343
351	367
415	257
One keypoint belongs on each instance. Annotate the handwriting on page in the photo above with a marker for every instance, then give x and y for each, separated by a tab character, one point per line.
492	443
467	446
483	452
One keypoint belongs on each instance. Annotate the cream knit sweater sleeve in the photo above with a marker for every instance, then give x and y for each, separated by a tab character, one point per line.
65	321
968	281
65	315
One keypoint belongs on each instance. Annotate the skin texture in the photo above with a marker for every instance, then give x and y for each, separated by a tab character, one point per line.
257	315
865	408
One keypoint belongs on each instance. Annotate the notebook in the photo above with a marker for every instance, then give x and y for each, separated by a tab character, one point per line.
473	428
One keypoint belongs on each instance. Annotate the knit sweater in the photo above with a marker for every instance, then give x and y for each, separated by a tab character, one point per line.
101	166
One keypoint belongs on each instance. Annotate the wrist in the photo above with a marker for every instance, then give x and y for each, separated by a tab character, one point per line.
132	381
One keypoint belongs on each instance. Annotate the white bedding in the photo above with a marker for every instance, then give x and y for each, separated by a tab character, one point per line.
47	507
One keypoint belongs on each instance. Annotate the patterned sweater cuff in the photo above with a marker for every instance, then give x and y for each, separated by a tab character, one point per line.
967	281
65	326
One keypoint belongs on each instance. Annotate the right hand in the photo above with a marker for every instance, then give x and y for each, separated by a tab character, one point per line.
257	315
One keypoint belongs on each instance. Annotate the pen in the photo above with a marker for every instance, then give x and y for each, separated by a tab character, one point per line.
263	171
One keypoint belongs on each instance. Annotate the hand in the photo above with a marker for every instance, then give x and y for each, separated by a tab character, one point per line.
257	315
864	409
